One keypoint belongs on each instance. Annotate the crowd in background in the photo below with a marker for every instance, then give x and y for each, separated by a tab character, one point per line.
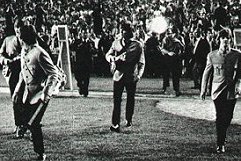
99	21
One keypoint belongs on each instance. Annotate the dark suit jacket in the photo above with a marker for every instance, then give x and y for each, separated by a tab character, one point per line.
135	60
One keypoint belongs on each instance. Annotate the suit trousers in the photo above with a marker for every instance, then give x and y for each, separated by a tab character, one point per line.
35	127
173	67
197	73
83	79
224	114
119	86
13	78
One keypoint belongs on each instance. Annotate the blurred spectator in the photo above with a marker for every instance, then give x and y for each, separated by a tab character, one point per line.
220	16
154	59
104	46
97	19
9	16
201	50
40	17
84	49
106	15
172	48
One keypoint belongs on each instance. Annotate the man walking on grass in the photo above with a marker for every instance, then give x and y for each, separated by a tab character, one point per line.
10	59
127	61
225	63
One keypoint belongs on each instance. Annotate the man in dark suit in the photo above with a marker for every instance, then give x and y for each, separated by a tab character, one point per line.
84	49
225	63
127	64
10	59
38	78
172	49
201	50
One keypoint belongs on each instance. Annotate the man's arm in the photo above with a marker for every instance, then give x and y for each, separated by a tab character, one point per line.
205	77
109	55
52	74
18	89
3	59
141	64
4	55
111	58
165	51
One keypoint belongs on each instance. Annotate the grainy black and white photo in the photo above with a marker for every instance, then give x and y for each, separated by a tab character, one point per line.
120	80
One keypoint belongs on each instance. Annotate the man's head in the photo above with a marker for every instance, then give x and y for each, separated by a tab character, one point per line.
225	37
171	32
28	34
17	25
127	30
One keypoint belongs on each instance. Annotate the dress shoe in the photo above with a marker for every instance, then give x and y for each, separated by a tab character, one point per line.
42	157
225	141
163	91
30	135
128	124
15	130
178	93
20	131
80	92
220	149
115	128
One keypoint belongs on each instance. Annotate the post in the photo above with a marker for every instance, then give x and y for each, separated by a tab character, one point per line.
64	54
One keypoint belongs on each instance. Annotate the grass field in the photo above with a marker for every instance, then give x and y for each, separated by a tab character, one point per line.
146	85
77	129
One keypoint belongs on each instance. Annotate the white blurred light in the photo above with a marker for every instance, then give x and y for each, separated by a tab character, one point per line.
158	25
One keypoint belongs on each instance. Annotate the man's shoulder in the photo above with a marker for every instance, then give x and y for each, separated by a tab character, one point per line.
214	52
10	38
136	42
235	51
117	40
38	50
234	54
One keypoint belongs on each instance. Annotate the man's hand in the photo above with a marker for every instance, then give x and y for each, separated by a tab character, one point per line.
171	53
7	61
15	97
45	98
112	67
202	95
122	57
137	78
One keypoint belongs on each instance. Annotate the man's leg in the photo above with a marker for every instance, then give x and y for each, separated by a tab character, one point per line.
130	104
221	106
86	81
118	90
176	80
229	113
166	75
35	127
195	75
18	108
77	76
